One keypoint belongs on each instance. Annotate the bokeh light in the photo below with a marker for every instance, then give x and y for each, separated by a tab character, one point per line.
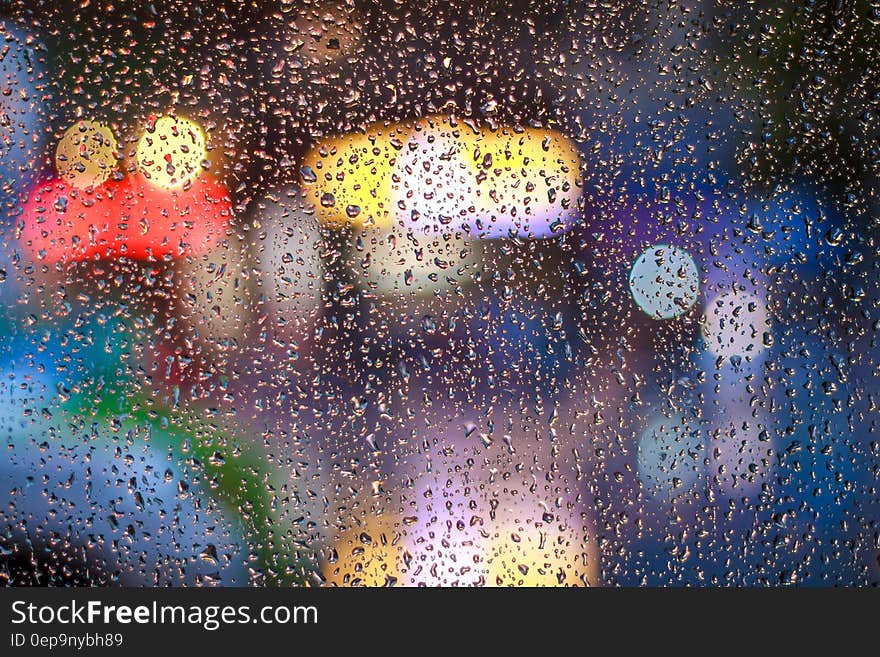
435	184
736	324
86	155
366	555
444	174
664	282
532	183
128	218
171	151
552	551
349	177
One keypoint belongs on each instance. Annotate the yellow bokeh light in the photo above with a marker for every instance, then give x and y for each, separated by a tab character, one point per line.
543	153
552	554
171	151
447	175
530	176
555	550
86	154
366	555
351	175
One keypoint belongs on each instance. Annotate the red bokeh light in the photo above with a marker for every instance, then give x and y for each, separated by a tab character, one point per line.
128	218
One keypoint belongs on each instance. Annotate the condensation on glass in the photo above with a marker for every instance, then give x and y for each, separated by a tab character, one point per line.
333	293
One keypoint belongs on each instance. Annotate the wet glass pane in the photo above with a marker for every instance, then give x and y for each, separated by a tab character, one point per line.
337	293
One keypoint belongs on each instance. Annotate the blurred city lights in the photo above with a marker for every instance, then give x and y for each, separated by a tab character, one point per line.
550	552
434	184
171	151
444	175
349	177
127	218
736	324
484	297
366	555
532	183
86	154
664	282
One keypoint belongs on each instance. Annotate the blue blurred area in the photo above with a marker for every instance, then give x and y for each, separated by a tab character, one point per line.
22	134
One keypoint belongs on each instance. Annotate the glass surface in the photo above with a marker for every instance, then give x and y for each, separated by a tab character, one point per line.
465	293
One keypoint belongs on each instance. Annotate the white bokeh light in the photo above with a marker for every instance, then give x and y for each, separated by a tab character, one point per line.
735	324
664	282
433	184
